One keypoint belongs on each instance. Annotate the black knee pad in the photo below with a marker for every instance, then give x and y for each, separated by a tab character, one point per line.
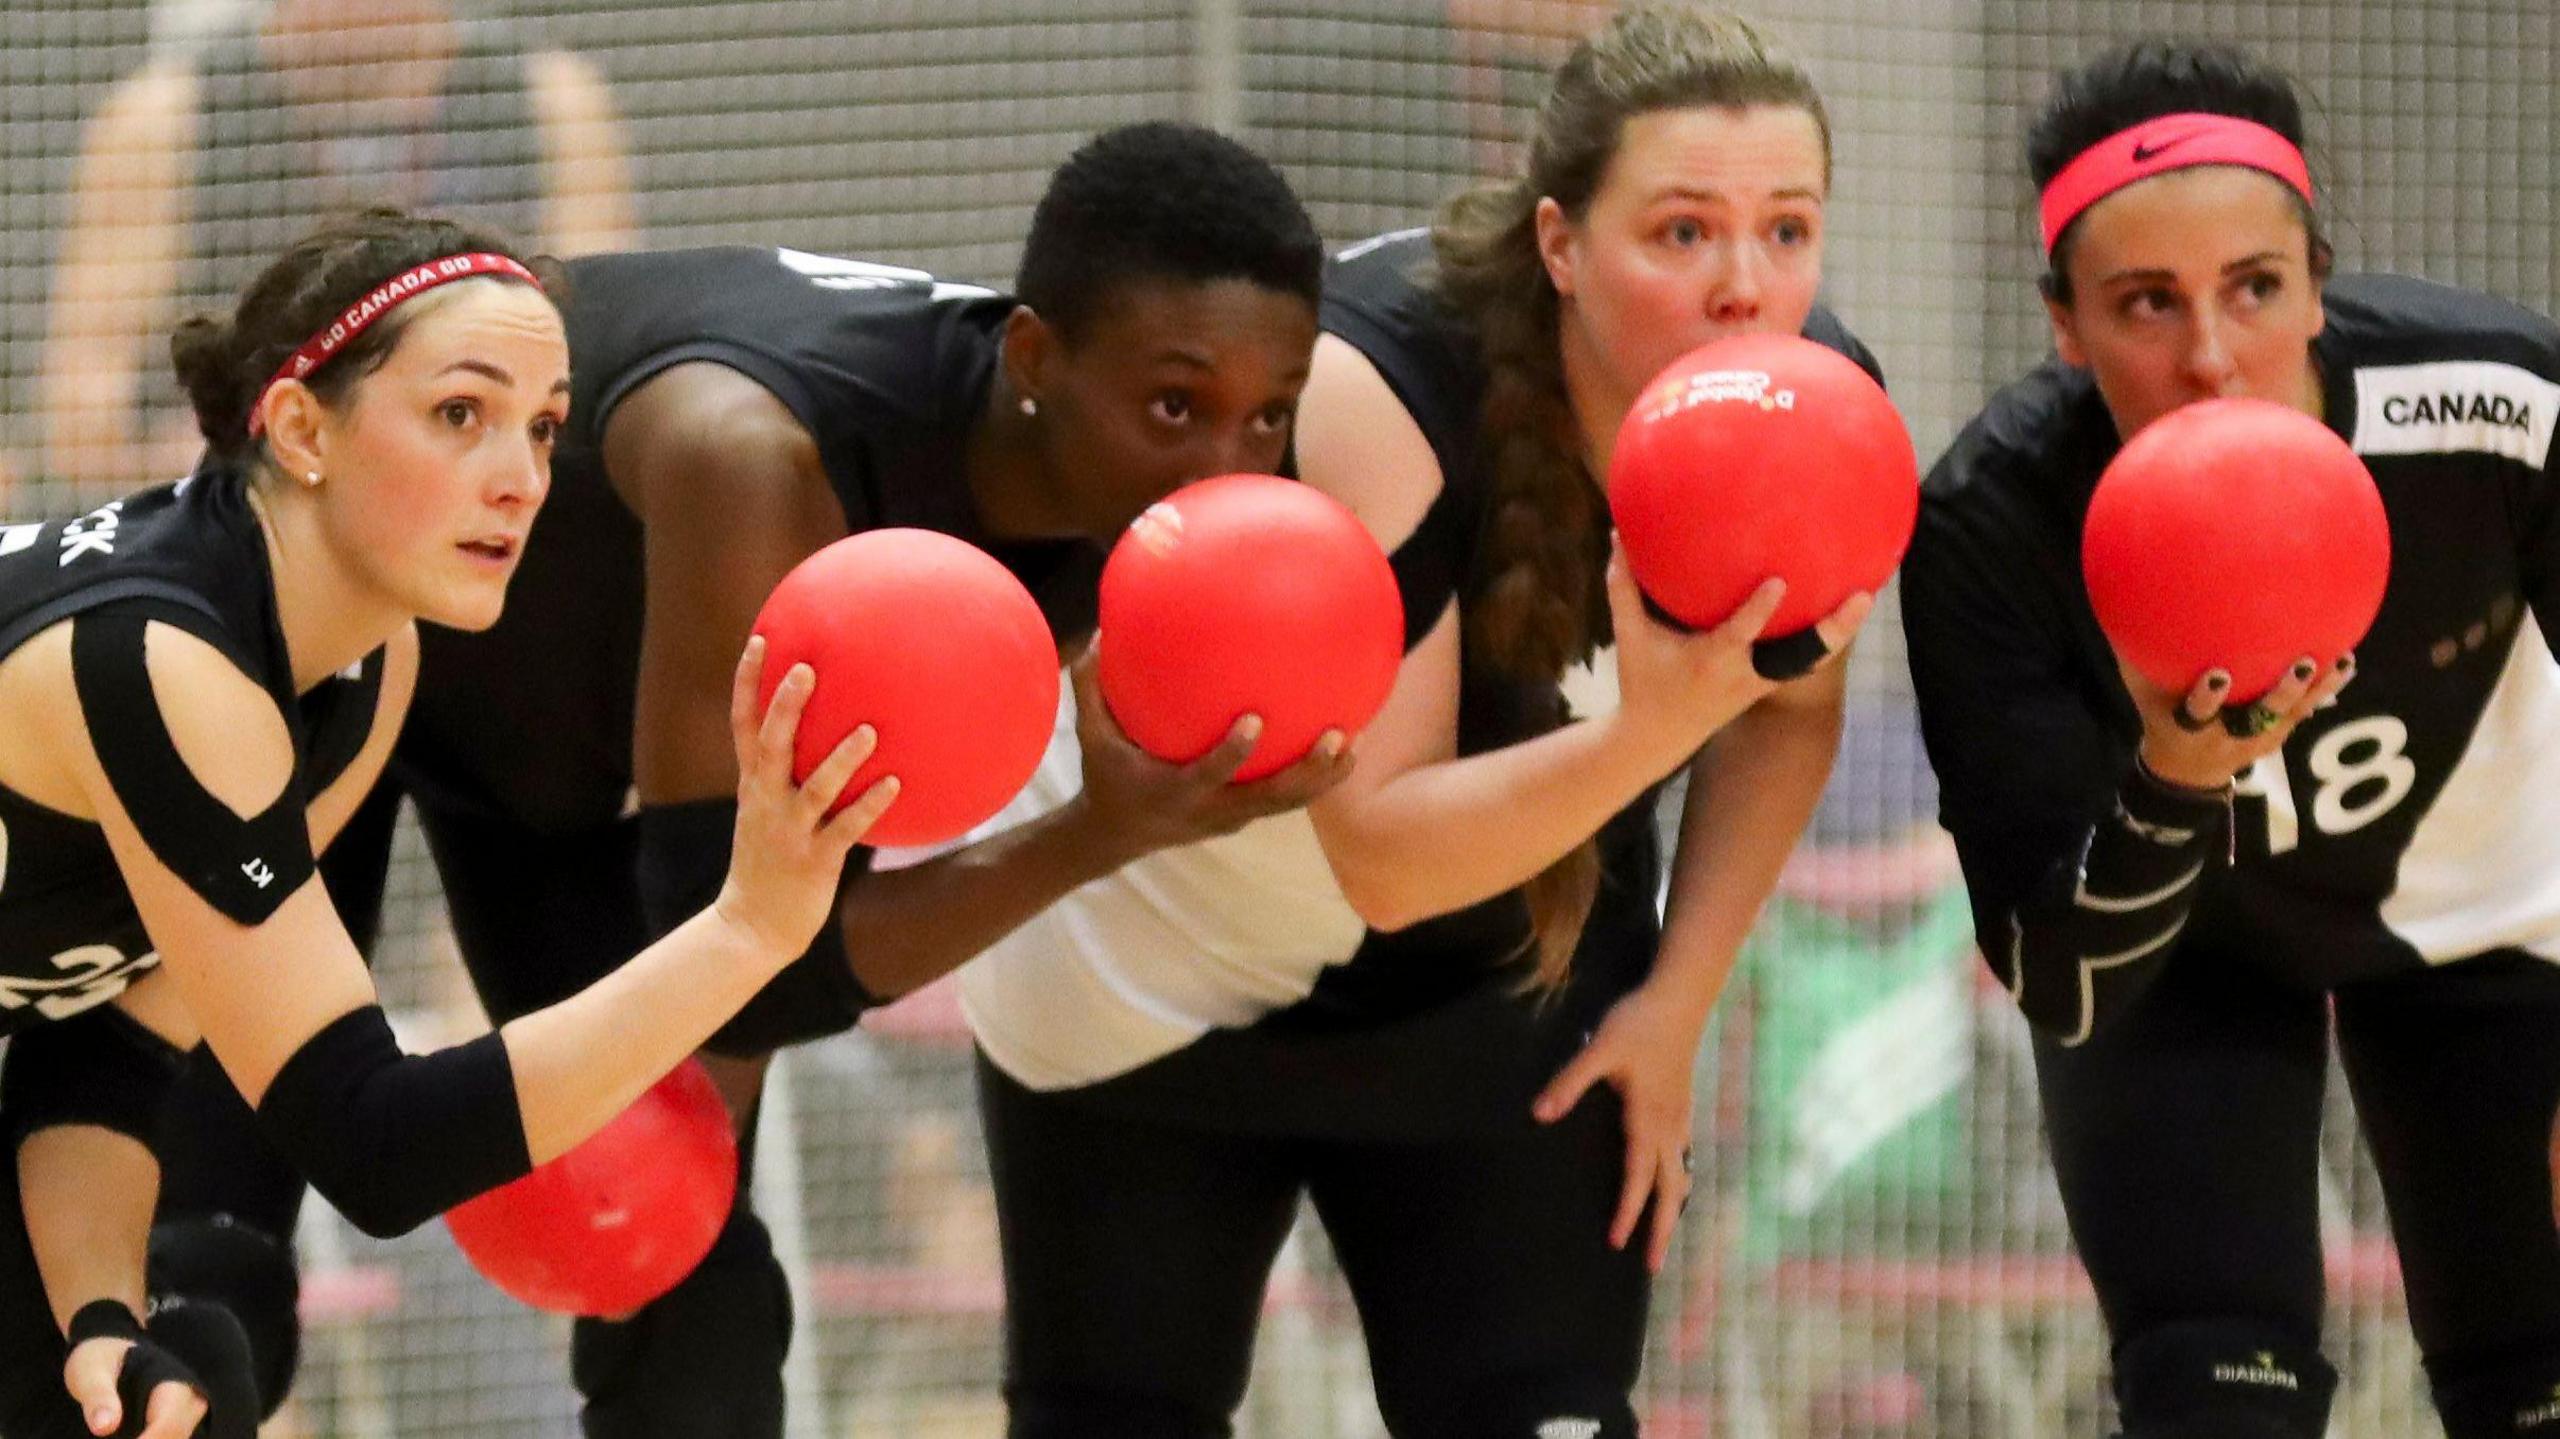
248	1273
1564	1408
703	1360
206	1338
2512	1395
2223	1379
1052	1412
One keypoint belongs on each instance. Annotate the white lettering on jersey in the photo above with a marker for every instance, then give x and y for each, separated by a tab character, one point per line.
14	538
2454	405
92	534
2362	772
828	272
1376	242
93	974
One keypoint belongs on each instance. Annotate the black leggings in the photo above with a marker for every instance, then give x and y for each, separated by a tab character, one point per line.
2186	1139
1136	1252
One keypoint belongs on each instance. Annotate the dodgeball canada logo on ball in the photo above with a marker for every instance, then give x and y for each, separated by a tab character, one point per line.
1712	387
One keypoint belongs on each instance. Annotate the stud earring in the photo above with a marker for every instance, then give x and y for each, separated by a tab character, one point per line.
1030	408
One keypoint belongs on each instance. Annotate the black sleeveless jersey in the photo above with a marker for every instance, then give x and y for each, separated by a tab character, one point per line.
1378	299
887	368
190	555
2411	822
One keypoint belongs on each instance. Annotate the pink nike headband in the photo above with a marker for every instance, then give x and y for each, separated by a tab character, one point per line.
378	302
2163	143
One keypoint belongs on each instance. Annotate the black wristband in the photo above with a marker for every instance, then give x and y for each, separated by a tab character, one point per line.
1776	659
1789	657
102	1319
146	1367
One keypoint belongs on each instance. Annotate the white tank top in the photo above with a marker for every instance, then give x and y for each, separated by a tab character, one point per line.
1143	961
1147	959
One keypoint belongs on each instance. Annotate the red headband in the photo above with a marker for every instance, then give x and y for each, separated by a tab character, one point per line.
356	318
2167	142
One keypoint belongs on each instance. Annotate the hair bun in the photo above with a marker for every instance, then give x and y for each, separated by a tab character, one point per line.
203	351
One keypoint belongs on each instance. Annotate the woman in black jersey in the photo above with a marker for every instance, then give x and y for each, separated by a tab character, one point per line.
2184	907
1439	1005
197	685
736	409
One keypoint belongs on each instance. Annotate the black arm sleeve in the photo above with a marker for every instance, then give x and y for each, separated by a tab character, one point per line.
684	859
2093	930
2082	868
392	1139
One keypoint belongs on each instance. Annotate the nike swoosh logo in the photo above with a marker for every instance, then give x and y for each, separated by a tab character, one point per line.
2144	153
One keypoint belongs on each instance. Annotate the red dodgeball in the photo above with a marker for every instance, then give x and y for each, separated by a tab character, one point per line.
1762	455
938	648
1247	594
618	1220
2234	534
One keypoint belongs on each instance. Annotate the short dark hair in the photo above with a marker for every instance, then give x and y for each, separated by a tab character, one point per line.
225	361
2146	78
1162	201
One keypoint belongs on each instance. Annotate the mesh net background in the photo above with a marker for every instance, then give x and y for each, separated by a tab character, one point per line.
1876	1248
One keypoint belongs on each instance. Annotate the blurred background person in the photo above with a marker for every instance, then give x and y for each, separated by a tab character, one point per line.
250	122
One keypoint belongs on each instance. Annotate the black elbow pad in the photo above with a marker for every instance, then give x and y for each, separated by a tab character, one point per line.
391	1139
